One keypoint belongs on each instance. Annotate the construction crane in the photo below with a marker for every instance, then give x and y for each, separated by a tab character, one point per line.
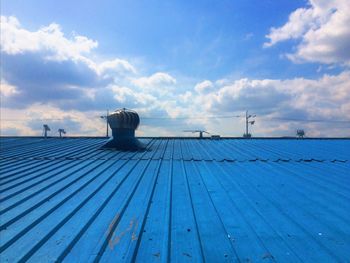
61	131
46	128
199	131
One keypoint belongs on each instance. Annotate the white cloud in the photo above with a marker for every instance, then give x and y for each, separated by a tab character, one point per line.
186	97
262	95
7	90
66	82
130	97
15	39
323	30
62	69
326	98
277	102
30	121
116	65
317	98
157	81
51	43
204	86
298	23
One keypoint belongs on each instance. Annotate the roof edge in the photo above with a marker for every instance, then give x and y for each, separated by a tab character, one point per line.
188	137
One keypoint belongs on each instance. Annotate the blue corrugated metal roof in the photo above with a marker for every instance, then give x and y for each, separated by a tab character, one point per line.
181	200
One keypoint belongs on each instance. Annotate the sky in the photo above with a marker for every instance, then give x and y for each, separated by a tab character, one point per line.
181	65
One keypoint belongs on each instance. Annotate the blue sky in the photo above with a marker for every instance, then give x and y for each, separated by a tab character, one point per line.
176	59
207	40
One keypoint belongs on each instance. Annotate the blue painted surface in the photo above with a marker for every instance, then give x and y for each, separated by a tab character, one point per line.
181	200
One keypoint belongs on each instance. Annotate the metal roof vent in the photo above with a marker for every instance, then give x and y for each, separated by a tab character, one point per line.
123	123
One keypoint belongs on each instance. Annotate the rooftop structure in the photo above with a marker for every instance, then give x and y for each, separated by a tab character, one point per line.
123	123
179	200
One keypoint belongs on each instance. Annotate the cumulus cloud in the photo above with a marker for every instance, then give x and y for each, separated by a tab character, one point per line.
127	95
282	106
204	86
57	79
30	121
276	102
7	90
323	30
318	98
48	67
298	23
159	82
186	97
260	95
115	66
47	75
17	40
45	81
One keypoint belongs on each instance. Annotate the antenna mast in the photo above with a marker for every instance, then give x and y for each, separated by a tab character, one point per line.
247	122
107	123
46	128
199	131
106	118
60	131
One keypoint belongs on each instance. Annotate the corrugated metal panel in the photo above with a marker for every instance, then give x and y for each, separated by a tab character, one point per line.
186	149
181	200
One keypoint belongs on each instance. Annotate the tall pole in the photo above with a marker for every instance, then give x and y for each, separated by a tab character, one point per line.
246	123
107	124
